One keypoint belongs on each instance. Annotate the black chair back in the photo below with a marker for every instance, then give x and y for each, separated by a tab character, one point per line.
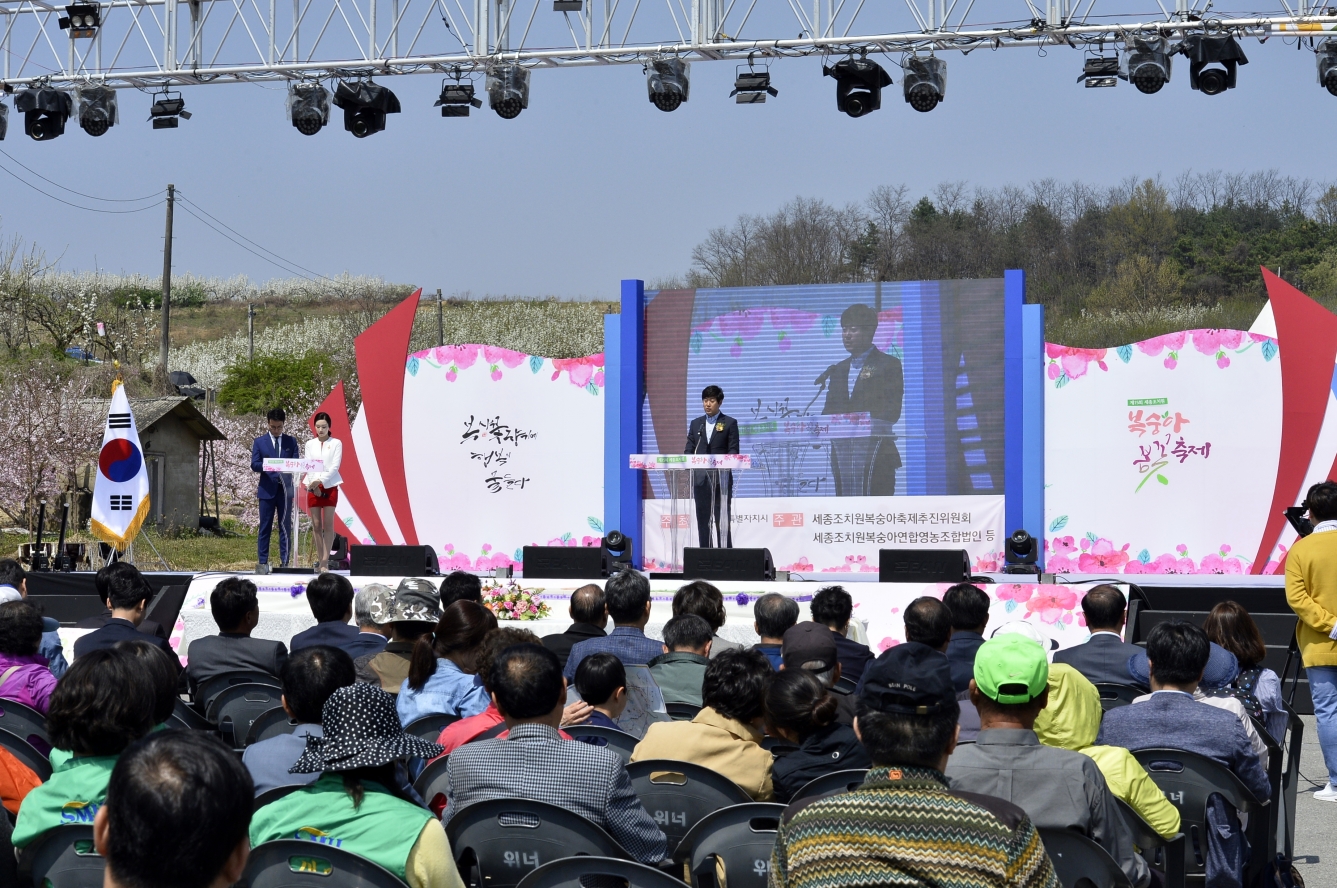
497	842
237	707
26	753
1290	778
1166	855
206	691
26	722
577	872
429	726
836	781
1081	863
741	837
185	718
63	857
617	741
1113	695
682	711
272	723
678	795
295	863
433	781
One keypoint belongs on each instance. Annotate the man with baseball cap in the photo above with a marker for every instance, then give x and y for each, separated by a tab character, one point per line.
409	610
874	835
1057	788
811	646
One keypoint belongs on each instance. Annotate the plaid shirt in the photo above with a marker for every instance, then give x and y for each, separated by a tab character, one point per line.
628	644
533	762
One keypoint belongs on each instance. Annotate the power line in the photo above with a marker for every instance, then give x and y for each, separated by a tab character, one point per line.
224	235
156	194
76	206
315	274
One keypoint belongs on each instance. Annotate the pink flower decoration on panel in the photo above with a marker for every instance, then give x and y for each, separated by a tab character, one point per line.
1075	361
988	563
1215	564
1052	603
1155	345
1015	592
461	356
581	371
887	644
744	324
494	355
803	564
1209	342
1102	557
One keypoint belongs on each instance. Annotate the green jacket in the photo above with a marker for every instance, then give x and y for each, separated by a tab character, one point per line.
679	676
77	788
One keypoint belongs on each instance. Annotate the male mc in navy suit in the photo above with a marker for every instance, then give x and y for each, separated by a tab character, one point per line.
275	489
713	488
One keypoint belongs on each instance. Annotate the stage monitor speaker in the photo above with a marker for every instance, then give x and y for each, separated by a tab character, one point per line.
563	562
728	564
923	566
393	561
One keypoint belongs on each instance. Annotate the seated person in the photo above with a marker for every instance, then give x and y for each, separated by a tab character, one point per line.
308	678
680	670
833	607
14	586
535	763
330	596
460	585
357	795
1170	718
589	619
875	834
102	705
726	734
627	595
801	710
969	607
178	805
1104	656
601	682
441	674
707	602
407	613
1055	787
236	610
1258	688
164	672
811	646
24	674
929	622
128	594
772	616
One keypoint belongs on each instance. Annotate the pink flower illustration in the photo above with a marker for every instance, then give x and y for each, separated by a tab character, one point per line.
562	542
800	566
462	356
1060	549
496	375
1015	592
1216	564
988	562
742	325
1211	342
1052	603
1170	341
1074	361
887	644
1275	564
581	371
494	355
1102	557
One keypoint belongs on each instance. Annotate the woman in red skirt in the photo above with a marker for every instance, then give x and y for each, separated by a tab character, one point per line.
323	488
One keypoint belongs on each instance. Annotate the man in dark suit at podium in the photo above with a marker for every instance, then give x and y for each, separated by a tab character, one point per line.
275	488
712	488
868	381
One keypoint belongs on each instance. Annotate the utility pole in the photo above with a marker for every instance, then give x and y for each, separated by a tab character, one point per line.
250	331
440	321
166	344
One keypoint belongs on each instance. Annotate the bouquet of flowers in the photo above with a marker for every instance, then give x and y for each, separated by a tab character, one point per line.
510	602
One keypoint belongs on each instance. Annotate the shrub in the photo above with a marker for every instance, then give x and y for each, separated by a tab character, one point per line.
269	381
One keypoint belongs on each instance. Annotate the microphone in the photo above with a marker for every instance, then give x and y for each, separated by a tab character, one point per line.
822	380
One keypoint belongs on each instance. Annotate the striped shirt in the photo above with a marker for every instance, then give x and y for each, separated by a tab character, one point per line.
905	826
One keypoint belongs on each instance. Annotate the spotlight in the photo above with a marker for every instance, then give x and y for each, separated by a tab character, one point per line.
508	90
4	120
456	99
167	109
1221	53
1100	71
925	82
45	111
365	105
97	109
751	87
667	82
1147	64
1020	553
859	84
81	19
1327	65
308	107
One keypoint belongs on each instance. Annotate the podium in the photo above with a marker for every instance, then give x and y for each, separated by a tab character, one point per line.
679	472
800	452
291	468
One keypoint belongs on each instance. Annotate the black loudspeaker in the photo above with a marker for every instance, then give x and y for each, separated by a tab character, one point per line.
728	564
923	566
393	561
563	562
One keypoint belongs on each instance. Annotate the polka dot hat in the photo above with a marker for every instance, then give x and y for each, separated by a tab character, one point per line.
362	730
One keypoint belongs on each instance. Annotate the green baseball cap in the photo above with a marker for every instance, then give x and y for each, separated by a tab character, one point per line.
1011	669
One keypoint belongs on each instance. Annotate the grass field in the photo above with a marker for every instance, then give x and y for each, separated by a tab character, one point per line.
183	553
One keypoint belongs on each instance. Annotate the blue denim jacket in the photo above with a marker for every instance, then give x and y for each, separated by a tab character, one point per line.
54	653
448	690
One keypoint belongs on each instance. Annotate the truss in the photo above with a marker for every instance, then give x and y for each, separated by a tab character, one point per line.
152	43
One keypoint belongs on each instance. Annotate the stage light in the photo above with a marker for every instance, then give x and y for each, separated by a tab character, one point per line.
4	120
617	552
1020	553
508	90
45	110
1146	64
308	107
1100	71
167	109
1327	65
81	19
667	82
859	84
97	109
1213	60
925	82
365	106
751	87
456	99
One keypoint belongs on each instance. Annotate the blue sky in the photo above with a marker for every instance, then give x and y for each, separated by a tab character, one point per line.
592	184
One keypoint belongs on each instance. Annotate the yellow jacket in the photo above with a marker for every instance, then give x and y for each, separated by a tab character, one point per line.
1071	720
712	740
1311	591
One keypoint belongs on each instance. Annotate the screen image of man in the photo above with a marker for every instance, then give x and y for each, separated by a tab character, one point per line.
712	488
868	381
274	490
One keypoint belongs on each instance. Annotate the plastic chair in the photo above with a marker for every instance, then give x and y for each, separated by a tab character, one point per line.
577	872
28	754
272	723
206	691
297	863
681	711
62	857
1149	842
1291	775
237	707
185	718
1081	863
434	781
678	795
828	784
429	726
1113	695
26	722
618	741
500	840
741	837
